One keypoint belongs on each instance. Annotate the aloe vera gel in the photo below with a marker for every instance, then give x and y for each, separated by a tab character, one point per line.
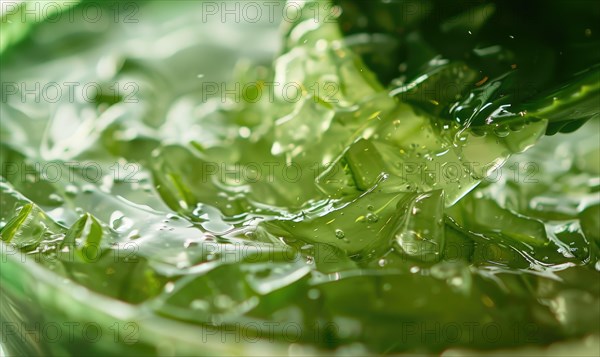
343	177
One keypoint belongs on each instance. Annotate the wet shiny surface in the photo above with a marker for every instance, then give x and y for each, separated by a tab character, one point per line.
344	212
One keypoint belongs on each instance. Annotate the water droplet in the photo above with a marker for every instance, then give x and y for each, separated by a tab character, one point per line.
55	198
502	131
372	217
314	294
135	234
199	304
339	233
169	287
88	189
119	222
382	262
244	132
223	302
182	265
71	190
190	243
456	281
